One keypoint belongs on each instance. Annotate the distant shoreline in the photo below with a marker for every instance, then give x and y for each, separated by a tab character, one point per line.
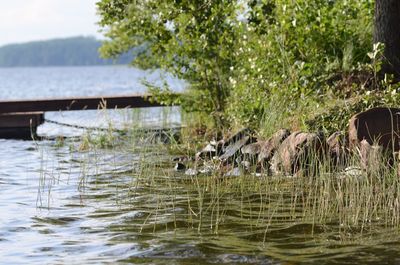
74	51
65	66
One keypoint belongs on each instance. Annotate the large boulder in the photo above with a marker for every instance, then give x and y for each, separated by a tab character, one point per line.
377	126
269	147
298	152
261	152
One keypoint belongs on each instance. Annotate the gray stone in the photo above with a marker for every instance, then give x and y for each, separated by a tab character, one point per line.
251	151
218	146
235	172
232	151
231	147
352	172
246	165
208	168
191	172
207	152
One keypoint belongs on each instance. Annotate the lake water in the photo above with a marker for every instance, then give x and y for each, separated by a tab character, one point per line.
63	204
30	229
58	82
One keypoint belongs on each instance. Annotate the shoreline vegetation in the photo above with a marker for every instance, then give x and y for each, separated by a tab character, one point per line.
307	66
322	182
327	217
324	190
263	65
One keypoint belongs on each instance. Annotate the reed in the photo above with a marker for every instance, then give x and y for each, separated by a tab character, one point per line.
357	197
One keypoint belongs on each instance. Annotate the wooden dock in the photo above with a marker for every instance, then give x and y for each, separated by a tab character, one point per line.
20	119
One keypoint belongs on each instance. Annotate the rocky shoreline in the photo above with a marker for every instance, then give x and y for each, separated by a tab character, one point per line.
371	141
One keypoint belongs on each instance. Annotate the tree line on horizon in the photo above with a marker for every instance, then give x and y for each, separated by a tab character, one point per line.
74	51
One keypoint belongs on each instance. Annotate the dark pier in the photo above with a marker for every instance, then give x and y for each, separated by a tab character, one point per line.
20	119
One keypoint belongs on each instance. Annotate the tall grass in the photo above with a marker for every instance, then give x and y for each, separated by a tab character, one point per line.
359	197
355	198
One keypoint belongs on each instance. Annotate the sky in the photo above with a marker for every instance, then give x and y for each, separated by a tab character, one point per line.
31	20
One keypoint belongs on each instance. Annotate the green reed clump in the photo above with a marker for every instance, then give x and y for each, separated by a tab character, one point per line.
356	197
352	196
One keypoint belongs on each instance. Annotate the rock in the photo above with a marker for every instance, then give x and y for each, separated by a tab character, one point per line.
227	149
218	146
235	172
352	172
337	148
207	152
380	126
191	172
257	174
179	167
251	151
211	150
206	170
271	145
232	151
297	152
246	165
231	147
237	136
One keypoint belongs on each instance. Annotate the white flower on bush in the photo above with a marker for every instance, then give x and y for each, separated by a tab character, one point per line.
232	81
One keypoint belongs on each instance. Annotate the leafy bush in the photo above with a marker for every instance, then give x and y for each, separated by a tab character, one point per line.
243	57
290	49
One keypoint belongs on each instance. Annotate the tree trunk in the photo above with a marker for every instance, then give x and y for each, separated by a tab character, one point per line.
387	31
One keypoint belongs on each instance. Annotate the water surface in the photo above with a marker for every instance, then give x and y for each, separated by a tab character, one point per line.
64	204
